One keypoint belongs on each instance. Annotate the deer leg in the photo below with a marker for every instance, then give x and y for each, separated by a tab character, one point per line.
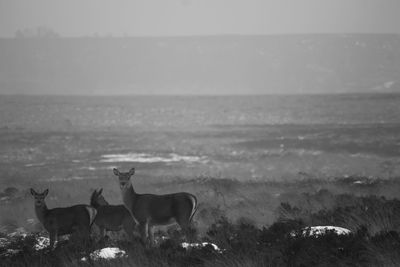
130	234
81	234
186	228
53	239
150	232
144	232
129	228
102	232
86	234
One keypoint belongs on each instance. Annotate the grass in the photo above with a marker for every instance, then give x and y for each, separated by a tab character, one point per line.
244	245
374	222
242	207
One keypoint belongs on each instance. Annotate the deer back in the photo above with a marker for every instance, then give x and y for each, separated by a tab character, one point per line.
112	216
160	209
68	219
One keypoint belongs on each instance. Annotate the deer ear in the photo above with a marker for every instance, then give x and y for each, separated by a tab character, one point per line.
132	171
46	192
100	191
33	193
116	172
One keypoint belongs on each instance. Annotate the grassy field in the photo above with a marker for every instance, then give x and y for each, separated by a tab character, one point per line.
374	222
255	185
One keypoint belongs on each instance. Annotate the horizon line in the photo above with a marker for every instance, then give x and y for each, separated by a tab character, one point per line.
197	95
120	36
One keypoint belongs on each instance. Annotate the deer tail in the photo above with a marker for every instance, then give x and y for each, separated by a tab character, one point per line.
193	199
92	214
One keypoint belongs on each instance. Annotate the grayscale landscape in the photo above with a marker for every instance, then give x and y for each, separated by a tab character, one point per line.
287	135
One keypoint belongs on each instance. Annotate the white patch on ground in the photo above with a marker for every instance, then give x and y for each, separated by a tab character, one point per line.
11	252
148	158
160	239
19	232
106	254
30	221
41	243
322	230
4	242
5	199
187	246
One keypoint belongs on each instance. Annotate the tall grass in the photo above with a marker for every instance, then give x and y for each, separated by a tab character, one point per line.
242	243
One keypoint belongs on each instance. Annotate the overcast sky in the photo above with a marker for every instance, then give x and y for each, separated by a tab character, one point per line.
200	17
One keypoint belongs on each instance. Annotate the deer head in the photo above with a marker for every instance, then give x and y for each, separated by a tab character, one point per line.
97	199
39	197
124	178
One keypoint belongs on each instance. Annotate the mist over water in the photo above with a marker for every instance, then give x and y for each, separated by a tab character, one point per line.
183	112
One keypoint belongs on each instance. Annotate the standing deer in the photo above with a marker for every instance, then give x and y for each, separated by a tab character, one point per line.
150	210
63	221
111	217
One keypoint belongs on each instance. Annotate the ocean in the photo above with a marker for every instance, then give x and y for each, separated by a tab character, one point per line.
150	112
276	137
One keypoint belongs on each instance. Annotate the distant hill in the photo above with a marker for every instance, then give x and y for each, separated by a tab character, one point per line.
201	65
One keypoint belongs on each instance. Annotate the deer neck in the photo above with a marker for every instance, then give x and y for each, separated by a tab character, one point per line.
129	195
95	204
41	211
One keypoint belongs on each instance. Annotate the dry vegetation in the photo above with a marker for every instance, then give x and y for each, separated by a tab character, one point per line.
246	207
251	221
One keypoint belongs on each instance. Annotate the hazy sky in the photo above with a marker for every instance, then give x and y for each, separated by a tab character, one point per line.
198	17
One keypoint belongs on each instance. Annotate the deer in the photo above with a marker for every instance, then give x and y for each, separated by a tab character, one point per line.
111	217
150	210
65	220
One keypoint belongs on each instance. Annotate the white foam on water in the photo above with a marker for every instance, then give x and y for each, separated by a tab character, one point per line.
286	152
92	168
107	254
148	158
63	179
362	155
35	164
67	179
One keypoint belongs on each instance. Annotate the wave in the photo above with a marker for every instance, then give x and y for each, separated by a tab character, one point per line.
92	168
64	179
149	158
